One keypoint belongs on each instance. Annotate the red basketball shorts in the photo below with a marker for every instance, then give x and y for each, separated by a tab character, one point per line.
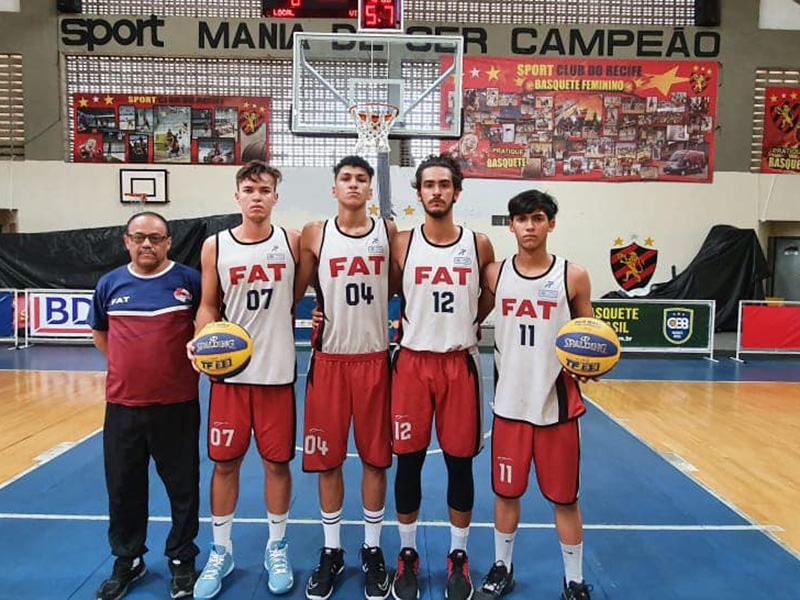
445	384
554	451
340	387
268	411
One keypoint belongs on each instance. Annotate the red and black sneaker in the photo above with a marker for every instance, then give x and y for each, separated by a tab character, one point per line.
406	585
459	583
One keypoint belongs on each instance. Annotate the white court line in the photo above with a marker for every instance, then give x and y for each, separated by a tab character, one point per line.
316	522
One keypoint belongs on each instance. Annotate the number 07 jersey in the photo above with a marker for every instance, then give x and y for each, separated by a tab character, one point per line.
441	286
529	311
257	284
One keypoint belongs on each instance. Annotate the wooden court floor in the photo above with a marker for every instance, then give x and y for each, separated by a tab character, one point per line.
743	438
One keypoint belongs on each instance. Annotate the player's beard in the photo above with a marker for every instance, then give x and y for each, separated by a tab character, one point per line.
438	212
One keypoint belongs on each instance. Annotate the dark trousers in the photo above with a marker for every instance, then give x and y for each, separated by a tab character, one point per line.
170	433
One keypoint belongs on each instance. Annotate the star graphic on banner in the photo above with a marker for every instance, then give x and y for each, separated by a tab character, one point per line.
794	96
96	99
409	210
109	99
475	72
374	210
262	109
773	98
648	241
493	73
619	241
246	104
83	102
662	82
519	81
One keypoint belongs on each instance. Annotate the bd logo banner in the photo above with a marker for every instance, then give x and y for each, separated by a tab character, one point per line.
678	324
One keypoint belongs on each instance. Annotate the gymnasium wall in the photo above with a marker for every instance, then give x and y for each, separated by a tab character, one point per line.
52	195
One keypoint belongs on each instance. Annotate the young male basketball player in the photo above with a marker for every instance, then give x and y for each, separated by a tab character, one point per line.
536	403
248	278
436	370
151	402
348	377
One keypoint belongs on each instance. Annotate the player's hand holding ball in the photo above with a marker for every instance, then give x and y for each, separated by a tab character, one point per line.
221	349
587	348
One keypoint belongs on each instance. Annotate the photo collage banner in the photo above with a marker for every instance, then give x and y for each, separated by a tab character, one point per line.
210	130
587	119
781	145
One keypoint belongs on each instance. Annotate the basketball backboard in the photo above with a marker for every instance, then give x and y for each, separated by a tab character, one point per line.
334	71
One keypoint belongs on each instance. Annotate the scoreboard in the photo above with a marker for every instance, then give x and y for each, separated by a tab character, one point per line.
372	15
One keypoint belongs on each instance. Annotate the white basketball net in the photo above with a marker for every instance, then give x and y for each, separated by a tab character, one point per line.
373	121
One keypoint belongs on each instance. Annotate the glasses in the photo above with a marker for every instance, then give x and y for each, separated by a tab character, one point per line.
154	238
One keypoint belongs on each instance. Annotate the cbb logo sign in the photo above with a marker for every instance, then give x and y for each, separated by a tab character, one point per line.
678	324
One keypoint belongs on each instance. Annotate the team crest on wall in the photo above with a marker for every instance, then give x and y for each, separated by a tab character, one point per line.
633	265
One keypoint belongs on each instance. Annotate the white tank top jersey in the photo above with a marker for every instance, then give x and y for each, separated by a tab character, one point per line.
529	312
441	285
257	283
352	283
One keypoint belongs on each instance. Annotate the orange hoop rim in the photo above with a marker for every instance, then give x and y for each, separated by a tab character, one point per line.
362	111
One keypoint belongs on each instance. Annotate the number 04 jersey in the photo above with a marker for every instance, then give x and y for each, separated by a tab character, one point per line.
352	286
529	312
257	284
441	285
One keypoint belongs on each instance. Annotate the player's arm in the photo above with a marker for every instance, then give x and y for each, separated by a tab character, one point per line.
208	311
485	258
489	275
398	258
309	244
580	291
395	277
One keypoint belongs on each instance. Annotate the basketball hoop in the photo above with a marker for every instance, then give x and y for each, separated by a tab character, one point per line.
373	121
139	199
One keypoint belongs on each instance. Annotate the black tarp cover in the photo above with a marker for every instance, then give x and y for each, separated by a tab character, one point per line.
729	267
77	259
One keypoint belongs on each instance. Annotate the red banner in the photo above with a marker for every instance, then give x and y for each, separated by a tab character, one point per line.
780	150
770	327
216	130
587	119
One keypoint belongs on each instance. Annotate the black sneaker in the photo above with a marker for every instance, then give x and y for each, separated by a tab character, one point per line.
576	591
406	586
184	576
125	573
499	581
459	584
376	583
320	584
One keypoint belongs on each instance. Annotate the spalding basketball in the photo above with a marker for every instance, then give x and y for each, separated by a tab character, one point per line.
587	347
222	349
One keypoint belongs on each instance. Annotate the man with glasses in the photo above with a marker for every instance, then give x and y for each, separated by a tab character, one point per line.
142	316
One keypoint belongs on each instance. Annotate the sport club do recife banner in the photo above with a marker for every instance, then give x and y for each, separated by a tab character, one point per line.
781	146
211	130
587	119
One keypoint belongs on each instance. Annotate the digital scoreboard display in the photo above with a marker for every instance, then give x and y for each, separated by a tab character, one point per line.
380	15
310	9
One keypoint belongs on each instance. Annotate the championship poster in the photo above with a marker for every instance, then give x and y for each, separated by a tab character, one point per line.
210	130
587	119
781	146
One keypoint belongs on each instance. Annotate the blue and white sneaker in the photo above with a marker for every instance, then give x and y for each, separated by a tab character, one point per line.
276	562
219	566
